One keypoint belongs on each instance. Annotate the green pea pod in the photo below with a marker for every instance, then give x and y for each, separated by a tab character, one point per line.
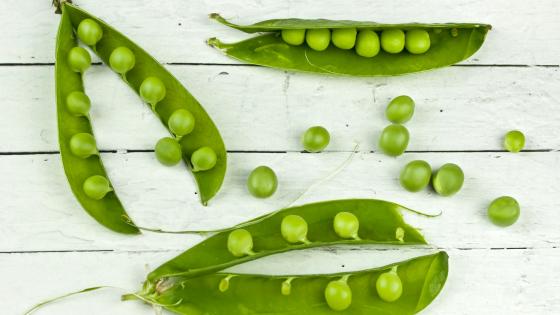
380	222
422	279
450	43
205	134
108	210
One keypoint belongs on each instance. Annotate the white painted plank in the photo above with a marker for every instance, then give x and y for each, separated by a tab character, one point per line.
480	281
40	213
176	31
255	109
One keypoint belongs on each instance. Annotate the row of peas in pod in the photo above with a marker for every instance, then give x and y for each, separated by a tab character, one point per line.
294	230
367	43
152	90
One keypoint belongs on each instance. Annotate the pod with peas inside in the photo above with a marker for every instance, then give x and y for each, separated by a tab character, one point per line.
200	142
353	47
405	287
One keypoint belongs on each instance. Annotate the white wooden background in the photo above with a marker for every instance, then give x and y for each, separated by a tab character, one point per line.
50	246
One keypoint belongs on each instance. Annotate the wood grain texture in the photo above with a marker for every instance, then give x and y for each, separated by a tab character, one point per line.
176	31
257	109
49	246
480	281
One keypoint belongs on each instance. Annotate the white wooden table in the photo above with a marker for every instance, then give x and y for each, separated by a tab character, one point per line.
50	246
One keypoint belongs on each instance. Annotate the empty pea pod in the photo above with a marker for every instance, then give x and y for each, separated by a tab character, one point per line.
80	157
177	109
364	221
353	48
421	279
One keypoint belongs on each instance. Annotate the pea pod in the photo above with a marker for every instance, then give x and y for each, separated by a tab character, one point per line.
350	221
422	279
165	94
448	44
80	158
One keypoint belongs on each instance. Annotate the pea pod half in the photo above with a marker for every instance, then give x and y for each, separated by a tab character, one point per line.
80	157
350	221
421	278
428	46
164	100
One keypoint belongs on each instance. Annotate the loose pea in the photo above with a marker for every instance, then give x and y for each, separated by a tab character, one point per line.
514	141
392	40
122	60
367	43
79	59
240	243
389	286
415	176
315	139
417	41
294	229
346	225
181	122
83	145
400	109
294	37
96	187
338	295
152	90
168	151
262	182
448	180
203	159
78	103
318	39
504	211
394	139
344	38
89	32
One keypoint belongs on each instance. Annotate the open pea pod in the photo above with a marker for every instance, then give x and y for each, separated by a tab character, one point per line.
81	160
176	96
448	44
421	280
350	221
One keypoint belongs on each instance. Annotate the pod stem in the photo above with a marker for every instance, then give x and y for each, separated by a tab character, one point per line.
58	5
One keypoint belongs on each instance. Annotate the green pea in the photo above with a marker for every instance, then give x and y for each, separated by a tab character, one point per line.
83	145
315	139
346	225
514	141
79	59
89	32
168	151
344	38
262	182
394	139
338	295
294	36
415	176
417	41
203	159
240	243
392	40
152	90
96	187
181	122
318	39
78	103
122	60
367	43
294	229
389	286
448	180
504	211
400	109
